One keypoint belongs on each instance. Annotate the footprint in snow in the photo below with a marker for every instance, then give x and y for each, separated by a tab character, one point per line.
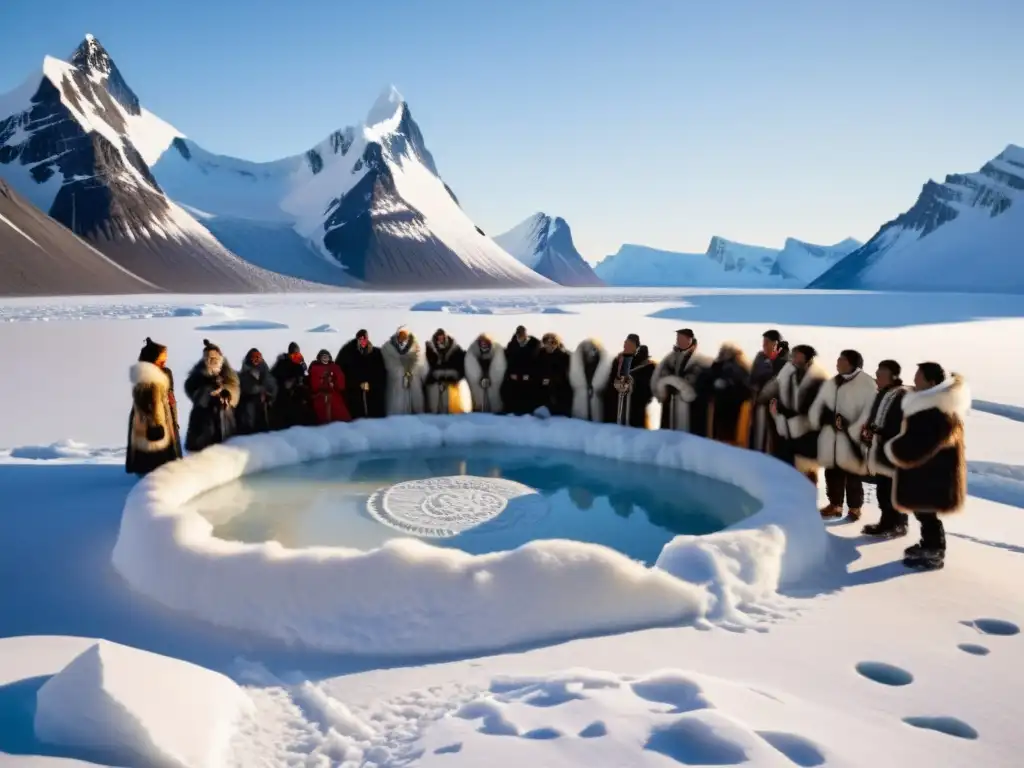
974	649
800	750
951	726
993	627
885	674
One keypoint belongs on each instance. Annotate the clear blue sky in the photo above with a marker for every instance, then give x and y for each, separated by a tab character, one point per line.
660	122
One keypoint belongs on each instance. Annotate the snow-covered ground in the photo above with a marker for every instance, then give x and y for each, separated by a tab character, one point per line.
856	662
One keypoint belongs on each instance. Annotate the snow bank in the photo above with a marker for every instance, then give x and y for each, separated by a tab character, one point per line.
141	708
484	307
208	310
244	325
427	599
64	449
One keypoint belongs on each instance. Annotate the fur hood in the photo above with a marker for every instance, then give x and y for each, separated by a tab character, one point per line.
474	348
559	345
952	397
591	346
732	351
445	351
815	372
226	372
148	373
496	352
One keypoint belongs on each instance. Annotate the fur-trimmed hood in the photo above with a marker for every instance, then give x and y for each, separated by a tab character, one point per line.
476	353
446	351
591	346
733	351
815	373
148	373
952	397
226	372
559	345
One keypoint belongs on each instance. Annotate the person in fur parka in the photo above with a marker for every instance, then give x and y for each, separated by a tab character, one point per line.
407	372
590	369
519	390
327	385
764	371
630	393
840	412
485	371
214	390
365	377
553	389
446	369
292	407
728	388
930	458
884	423
153	434
799	382
258	390
675	385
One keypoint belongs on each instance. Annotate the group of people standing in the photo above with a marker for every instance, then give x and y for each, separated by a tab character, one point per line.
784	403
908	441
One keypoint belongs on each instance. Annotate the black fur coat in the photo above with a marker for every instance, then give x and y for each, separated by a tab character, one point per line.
929	453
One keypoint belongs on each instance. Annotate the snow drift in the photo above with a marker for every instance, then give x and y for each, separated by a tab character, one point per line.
545	245
963	235
139	707
433	600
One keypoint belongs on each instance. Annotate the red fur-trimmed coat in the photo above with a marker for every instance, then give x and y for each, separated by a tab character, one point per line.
929	452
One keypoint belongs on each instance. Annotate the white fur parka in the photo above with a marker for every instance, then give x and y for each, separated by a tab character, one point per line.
405	393
485	399
852	399
588	396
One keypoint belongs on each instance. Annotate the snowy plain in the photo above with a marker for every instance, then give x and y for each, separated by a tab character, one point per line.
854	663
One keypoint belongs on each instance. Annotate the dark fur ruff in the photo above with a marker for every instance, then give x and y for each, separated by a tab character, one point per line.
929	453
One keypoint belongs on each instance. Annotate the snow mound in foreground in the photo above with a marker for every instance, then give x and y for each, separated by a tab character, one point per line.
427	599
139	708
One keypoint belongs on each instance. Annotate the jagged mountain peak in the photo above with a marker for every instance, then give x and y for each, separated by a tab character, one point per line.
544	244
388	108
971	220
92	60
90	54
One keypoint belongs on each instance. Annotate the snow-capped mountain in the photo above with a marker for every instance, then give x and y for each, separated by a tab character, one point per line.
367	200
366	205
805	261
75	141
741	258
963	235
725	264
544	244
39	256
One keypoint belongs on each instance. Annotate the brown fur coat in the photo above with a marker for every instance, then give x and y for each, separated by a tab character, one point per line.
929	452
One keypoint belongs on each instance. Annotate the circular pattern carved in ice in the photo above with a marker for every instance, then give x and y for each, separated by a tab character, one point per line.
442	507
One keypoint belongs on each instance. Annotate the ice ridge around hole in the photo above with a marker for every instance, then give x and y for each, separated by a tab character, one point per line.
481	589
